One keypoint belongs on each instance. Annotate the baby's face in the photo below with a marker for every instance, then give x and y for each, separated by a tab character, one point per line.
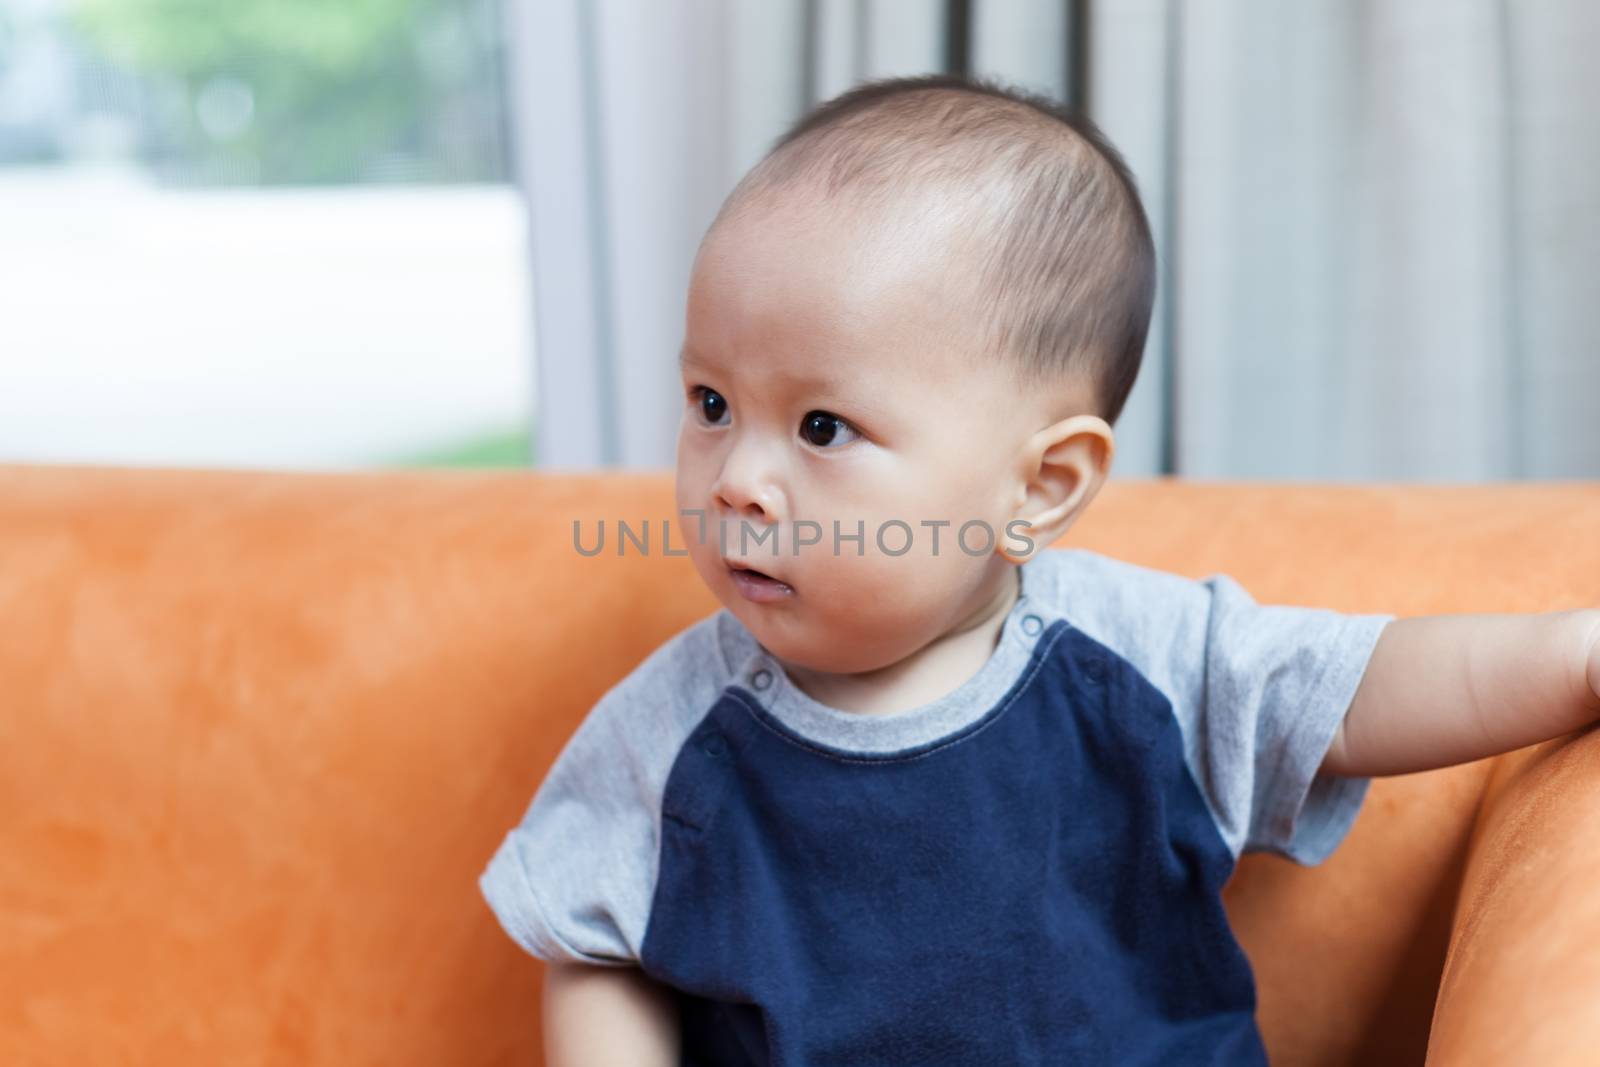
830	377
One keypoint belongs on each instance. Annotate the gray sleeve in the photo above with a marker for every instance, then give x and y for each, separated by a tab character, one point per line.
566	881
573	880
1259	691
1278	682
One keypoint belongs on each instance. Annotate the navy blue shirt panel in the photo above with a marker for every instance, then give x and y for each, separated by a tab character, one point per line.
1041	887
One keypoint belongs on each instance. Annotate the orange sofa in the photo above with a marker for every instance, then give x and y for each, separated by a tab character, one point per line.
260	733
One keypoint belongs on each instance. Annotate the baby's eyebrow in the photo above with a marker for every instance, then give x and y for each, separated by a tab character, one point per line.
687	359
807	381
799	382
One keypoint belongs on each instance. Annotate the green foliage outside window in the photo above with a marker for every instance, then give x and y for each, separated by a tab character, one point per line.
312	91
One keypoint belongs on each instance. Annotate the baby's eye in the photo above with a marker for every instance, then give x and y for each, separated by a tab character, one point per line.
711	403
820	428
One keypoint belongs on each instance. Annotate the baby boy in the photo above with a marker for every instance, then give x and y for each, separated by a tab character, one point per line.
926	790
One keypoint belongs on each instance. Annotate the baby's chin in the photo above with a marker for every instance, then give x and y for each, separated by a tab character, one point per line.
820	647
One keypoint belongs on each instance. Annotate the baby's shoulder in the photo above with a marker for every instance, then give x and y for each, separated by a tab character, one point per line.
656	705
1114	600
573	880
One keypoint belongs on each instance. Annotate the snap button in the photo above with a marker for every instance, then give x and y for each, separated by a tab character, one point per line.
714	746
761	678
1096	670
1031	624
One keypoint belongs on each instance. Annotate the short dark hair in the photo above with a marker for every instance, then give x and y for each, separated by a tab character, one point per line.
1069	277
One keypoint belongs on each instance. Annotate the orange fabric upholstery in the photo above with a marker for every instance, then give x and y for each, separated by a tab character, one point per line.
260	732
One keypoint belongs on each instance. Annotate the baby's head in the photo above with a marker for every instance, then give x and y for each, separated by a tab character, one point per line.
918	319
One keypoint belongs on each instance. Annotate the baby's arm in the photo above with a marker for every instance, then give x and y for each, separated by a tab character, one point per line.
1446	689
607	1017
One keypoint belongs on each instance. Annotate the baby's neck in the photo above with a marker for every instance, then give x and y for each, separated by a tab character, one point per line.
935	670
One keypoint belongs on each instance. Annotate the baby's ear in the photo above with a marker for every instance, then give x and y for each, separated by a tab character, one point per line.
1064	466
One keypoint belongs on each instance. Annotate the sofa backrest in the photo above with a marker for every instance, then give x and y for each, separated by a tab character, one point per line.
260	732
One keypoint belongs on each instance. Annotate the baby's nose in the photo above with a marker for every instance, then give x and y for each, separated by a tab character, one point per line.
749	517
755	506
746	492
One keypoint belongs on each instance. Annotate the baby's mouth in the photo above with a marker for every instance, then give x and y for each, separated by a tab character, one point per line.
757	579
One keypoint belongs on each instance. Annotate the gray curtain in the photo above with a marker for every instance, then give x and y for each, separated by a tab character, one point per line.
1378	222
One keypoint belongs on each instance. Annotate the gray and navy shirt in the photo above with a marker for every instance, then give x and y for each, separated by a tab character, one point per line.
1025	871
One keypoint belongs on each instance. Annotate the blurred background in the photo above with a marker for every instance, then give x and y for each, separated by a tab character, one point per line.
340	234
